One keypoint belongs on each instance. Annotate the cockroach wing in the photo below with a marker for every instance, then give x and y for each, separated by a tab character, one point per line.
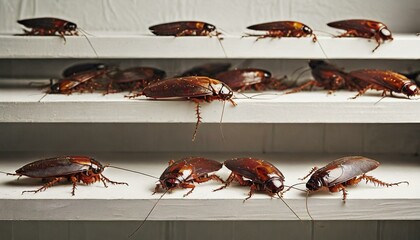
203	166
277	26
344	169
174	28
388	79
249	168
45	23
84	67
53	167
361	25
180	87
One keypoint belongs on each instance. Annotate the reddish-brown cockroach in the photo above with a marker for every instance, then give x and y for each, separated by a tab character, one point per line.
340	173
73	168
48	26
209	70
250	78
183	173
343	172
258	174
185	28
194	88
80	82
365	29
136	78
386	81
328	77
281	29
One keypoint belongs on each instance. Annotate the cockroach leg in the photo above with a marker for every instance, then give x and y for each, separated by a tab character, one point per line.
227	182
310	83
197	112
105	179
339	187
47	185
74	181
362	91
188	185
251	191
379	182
310	172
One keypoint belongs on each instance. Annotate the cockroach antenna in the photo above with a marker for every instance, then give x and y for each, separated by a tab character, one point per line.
129	170
148	214
287	205
90	43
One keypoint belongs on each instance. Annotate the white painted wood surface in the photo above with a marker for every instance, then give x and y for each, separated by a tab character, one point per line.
365	201
32	105
137	46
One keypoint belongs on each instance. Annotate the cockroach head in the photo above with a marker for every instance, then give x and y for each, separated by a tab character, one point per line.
55	88
209	27
410	89
274	185
313	184
225	92
69	26
170	183
267	74
307	30
96	166
385	33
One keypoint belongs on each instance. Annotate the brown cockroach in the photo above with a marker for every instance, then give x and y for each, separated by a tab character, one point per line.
329	77
365	29
386	81
48	26
185	28
343	172
258	174
73	168
250	78
194	88
136	78
340	173
281	29
80	82
209	70
182	174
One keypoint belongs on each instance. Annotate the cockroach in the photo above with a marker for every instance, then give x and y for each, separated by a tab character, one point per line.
194	88
386	81
209	70
258	174
281	29
183	173
82	81
73	168
48	26
250	78
83	67
329	77
343	172
365	29
185	28
136	78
